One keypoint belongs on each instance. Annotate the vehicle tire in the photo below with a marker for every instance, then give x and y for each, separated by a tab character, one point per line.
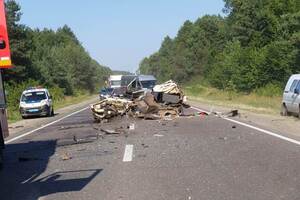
1	158
52	112
284	111
49	112
24	117
299	112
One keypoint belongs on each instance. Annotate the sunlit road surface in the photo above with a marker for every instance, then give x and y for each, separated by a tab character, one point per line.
202	157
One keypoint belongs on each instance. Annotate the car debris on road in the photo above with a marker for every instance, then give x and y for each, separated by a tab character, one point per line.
166	102
232	113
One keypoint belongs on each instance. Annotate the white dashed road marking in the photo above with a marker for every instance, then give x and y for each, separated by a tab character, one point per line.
128	153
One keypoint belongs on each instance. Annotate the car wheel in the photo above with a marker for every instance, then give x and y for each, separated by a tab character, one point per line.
24	117
284	111
52	112
299	112
49	112
1	158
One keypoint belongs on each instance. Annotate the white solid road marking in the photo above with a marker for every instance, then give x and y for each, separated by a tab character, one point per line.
198	109
128	153
44	126
256	128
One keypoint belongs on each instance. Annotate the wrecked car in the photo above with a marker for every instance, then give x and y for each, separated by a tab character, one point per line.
166	101
105	93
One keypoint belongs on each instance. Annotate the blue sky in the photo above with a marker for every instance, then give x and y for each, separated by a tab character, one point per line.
118	33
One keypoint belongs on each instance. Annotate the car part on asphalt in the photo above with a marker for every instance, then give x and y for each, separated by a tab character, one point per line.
65	156
111	132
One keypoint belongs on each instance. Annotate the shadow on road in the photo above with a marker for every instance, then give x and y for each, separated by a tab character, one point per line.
24	175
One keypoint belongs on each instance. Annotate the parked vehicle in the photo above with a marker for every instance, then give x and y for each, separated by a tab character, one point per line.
147	81
5	63
36	102
291	96
133	85
114	81
105	93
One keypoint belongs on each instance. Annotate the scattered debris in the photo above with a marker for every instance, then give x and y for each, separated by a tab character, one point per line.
70	127
233	126
169	87
145	146
76	141
223	138
131	126
218	114
111	132
65	156
232	113
202	113
151	117
158	135
109	108
166	102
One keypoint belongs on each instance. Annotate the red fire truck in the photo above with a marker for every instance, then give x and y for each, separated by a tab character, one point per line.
5	63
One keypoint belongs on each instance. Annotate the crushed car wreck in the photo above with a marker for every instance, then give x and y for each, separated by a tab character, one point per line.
109	108
166	102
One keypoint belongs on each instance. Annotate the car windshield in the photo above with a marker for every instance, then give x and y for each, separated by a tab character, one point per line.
31	97
148	84
115	83
106	90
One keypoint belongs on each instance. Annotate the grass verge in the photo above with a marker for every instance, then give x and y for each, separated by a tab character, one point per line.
252	102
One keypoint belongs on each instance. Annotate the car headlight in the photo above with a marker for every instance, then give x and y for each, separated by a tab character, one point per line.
43	102
22	104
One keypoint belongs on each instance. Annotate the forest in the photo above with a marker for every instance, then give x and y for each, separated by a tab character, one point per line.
253	44
54	59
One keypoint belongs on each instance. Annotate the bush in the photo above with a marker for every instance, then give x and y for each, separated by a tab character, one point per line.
269	90
57	93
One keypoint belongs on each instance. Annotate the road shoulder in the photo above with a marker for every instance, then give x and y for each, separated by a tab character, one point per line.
287	126
23	126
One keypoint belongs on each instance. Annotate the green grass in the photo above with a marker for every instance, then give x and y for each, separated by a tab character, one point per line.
252	102
15	116
70	100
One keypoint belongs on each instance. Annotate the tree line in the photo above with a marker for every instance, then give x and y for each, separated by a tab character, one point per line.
255	44
51	58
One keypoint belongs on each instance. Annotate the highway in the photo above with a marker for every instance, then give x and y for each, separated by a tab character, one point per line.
201	157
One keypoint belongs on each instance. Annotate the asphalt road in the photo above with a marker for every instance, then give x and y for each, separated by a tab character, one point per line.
188	158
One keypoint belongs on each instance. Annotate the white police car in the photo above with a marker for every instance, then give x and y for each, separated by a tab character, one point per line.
36	102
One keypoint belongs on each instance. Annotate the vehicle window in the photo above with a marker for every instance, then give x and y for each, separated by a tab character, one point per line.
139	85
132	84
2	44
298	86
294	84
126	80
148	84
31	97
115	83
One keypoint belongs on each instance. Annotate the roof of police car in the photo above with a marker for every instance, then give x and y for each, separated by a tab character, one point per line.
35	90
